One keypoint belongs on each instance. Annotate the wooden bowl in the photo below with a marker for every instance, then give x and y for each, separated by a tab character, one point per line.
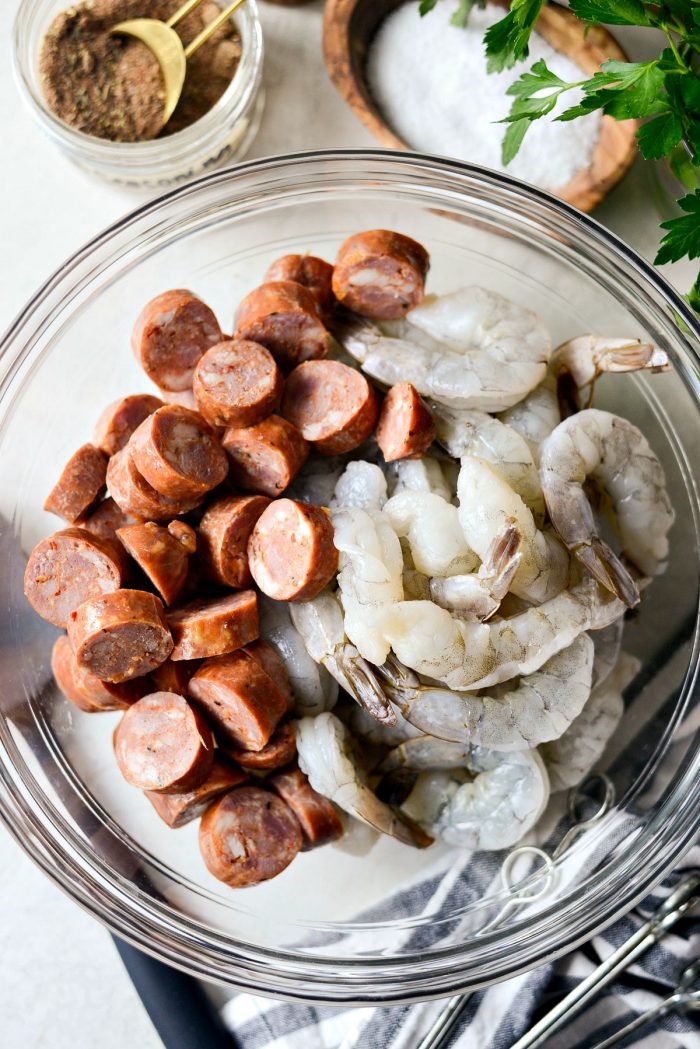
350	25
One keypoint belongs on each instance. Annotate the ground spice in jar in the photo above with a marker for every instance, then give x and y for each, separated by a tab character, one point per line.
111	86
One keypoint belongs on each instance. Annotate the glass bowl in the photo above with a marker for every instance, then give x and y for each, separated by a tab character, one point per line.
336	927
224	134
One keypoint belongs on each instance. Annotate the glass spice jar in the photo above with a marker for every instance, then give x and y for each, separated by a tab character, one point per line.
223	134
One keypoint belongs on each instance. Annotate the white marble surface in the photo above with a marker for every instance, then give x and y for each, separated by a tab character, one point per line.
62	985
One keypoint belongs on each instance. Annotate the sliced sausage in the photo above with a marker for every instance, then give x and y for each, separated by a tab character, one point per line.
119	420
241	701
291	552
164	744
280	749
170	335
237	383
161	555
318	819
136	497
68	568
185	398
178	809
312	273
214	626
84	689
173	676
79	485
333	406
283	317
380	274
121	635
105	519
273	664
248	836
406	426
265	458
224	532
177	453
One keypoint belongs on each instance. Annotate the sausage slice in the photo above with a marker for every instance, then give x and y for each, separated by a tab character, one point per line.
273	664
333	406
68	568
173	676
84	689
164	744
248	836
291	552
170	335
265	458
283	317
211	627
280	749
178	809
406	426
121	635
119	420
237	383
224	532
79	485
177	453
312	273
380	274
161	555
242	702
105	519
136	497
318	819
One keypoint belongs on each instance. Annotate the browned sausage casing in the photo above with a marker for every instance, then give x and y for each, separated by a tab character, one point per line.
170	335
280	749
248	836
119	420
178	809
332	405
291	552
173	676
79	485
68	568
406	426
224	532
177	453
242	702
161	555
164	744
283	317
87	691
237	383
265	458
121	635
312	273
213	626
318	819
273	664
380	274
136	497
105	519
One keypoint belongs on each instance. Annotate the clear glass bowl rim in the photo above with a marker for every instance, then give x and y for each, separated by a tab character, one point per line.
178	940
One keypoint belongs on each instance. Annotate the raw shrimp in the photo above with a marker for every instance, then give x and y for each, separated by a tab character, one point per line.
361	484
463	432
434	532
616	454
325	754
573	755
538	708
490	804
606	644
418	475
475	349
479	594
472	655
363	724
487	504
536	415
313	687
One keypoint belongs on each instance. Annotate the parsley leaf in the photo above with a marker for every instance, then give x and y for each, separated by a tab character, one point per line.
513	138
657	138
507	41
623	90
613	12
460	17
693	296
426	6
683	233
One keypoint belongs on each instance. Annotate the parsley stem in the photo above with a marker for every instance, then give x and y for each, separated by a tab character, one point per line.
672	43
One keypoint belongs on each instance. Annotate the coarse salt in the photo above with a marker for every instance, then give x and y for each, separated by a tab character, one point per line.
429	79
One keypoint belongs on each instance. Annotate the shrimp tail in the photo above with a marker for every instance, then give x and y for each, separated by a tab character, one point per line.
503	560
414	833
367	690
605	566
578	364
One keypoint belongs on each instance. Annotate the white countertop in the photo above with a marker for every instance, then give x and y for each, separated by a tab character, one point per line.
62	985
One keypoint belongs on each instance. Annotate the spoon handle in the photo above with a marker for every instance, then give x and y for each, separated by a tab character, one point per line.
202	37
182	12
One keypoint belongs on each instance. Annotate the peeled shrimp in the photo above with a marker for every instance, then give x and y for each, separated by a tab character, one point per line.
471	348
489	804
313	687
538	708
419	475
325	755
432	527
616	454
487	505
361	484
479	594
573	755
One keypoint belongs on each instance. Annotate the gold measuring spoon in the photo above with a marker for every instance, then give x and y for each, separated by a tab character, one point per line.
161	39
